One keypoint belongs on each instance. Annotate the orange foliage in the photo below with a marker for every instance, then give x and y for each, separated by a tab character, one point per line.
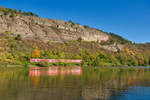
127	51
35	53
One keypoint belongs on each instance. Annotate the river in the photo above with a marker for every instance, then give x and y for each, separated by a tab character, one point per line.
74	83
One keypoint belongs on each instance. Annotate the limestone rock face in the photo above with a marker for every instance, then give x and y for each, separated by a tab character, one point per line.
48	29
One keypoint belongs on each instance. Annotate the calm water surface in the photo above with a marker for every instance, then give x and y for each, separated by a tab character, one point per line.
74	83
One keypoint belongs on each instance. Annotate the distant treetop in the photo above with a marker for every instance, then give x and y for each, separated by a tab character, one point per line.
120	39
14	11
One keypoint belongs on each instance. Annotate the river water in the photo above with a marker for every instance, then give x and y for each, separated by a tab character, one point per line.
74	83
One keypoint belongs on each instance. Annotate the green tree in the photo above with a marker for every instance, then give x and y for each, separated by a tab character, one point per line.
18	37
79	39
12	15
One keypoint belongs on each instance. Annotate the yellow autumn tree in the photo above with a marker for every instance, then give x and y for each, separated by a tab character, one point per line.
35	53
127	51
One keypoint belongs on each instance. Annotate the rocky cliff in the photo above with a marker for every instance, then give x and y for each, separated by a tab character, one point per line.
30	27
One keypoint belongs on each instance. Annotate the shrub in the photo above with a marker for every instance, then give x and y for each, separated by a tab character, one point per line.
72	23
18	37
30	14
43	64
12	15
79	39
110	42
86	26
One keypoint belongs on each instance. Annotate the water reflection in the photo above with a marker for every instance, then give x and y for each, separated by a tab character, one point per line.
74	83
138	92
55	71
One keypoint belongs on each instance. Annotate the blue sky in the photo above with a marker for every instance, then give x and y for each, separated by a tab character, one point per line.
128	18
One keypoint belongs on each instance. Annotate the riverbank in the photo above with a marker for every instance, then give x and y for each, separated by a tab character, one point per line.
66	65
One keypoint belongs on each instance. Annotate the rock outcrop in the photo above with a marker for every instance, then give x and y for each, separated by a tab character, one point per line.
30	27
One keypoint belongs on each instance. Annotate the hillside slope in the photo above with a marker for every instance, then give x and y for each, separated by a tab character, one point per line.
24	35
